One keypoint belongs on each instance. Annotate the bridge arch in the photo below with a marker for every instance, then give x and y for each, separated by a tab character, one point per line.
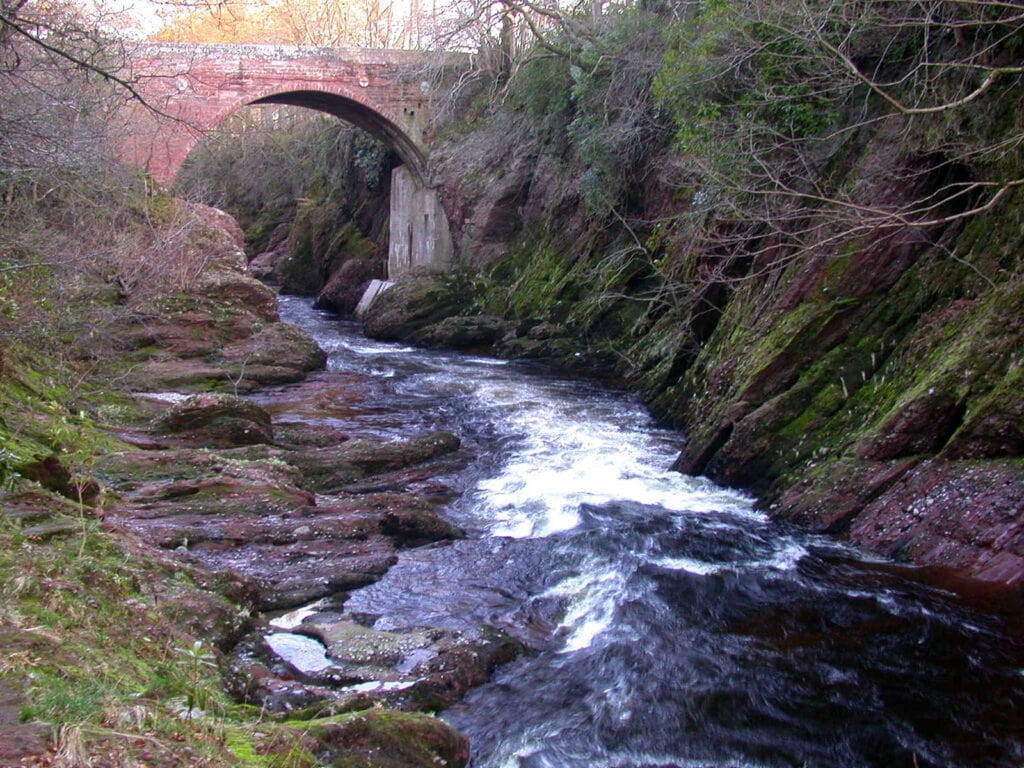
378	125
340	104
187	89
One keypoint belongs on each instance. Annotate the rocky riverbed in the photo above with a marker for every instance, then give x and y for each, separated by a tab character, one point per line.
209	513
304	517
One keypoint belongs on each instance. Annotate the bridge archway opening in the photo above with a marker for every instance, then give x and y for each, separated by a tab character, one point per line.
382	92
408	220
359	115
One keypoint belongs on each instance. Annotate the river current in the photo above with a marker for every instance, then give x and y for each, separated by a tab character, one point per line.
666	621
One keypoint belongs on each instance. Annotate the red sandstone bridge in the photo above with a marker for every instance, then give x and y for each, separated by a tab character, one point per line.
187	89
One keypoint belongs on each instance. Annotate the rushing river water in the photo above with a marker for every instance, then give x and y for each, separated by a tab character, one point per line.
667	622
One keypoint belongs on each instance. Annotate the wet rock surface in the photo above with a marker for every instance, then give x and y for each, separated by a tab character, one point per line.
305	519
332	663
254	513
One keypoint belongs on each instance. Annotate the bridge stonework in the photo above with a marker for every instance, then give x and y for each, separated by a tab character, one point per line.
189	88
186	89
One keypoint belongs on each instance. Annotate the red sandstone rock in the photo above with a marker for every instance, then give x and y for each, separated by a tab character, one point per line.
958	514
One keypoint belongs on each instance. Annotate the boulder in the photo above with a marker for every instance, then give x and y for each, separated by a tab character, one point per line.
356	738
278	353
238	288
216	220
217	420
372	456
462	332
265	266
412	525
415	303
345	287
392	740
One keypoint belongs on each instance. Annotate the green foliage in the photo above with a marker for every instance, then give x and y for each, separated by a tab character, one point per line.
739	78
193	659
596	104
64	698
541	88
8	468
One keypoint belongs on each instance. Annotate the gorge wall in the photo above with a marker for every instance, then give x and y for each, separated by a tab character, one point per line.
867	384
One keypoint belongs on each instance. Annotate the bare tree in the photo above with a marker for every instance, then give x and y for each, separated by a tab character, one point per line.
766	94
61	79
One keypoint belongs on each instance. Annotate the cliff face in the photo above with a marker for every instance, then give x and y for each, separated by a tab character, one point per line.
868	384
877	392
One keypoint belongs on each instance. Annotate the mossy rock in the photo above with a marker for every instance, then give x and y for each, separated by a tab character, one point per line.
368	739
127	471
217	420
378	739
414	304
473	332
278	353
236	287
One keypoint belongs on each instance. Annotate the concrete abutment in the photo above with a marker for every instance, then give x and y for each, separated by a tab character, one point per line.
419	236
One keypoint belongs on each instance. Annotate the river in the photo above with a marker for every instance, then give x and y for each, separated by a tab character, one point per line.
667	622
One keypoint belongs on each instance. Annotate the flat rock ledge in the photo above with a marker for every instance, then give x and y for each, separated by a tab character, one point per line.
305	522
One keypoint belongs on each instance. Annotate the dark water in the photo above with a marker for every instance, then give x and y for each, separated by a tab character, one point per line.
667	622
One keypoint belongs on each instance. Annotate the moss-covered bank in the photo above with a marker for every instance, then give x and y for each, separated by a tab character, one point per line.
849	347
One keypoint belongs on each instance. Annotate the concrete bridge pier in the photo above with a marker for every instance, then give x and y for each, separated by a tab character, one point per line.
419	236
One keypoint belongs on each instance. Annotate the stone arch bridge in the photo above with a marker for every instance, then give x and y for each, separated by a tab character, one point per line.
186	89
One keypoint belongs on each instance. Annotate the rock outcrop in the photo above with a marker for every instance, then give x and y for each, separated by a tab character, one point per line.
202	516
868	385
221	332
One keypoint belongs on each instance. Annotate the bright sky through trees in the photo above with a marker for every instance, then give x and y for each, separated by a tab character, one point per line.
363	23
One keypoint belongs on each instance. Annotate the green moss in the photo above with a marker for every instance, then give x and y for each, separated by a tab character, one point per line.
270	747
322	238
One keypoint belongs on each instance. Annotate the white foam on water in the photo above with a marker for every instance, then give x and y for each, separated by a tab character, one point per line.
536	751
565	453
380	685
292	619
374	349
785	558
165	397
591	599
697	567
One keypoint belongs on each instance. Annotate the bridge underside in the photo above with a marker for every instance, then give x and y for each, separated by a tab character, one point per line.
360	116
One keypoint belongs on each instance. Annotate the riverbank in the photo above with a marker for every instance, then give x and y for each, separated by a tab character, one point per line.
143	534
834	321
